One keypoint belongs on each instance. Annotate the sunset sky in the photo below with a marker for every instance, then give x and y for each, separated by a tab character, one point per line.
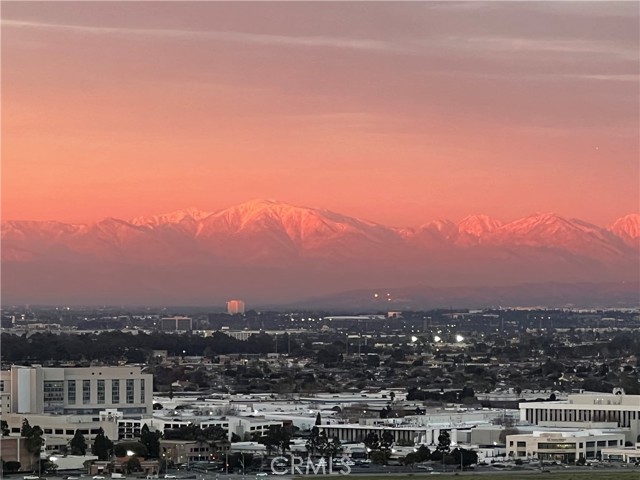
395	112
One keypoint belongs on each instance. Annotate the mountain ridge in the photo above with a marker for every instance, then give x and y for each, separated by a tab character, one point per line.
265	248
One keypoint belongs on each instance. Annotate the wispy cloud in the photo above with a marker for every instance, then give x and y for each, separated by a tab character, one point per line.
225	36
506	44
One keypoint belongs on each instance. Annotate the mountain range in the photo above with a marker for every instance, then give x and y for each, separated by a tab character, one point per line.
270	252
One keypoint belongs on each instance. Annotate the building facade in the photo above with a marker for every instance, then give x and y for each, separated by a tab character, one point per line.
176	324
564	447
235	306
588	410
78	391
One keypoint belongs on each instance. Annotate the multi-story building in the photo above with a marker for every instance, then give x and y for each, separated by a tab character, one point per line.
565	447
588	410
235	307
185	451
176	324
78	391
242	426
58	430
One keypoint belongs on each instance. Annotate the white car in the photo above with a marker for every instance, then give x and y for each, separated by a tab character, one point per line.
168	475
262	474
98	477
31	477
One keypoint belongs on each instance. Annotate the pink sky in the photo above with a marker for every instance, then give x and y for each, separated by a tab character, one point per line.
398	113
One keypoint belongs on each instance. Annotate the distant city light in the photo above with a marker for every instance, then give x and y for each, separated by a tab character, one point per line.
414	339
459	338
436	338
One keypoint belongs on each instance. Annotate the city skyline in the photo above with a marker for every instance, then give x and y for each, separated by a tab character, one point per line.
394	113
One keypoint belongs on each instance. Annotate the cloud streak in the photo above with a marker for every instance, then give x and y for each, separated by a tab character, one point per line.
224	36
478	43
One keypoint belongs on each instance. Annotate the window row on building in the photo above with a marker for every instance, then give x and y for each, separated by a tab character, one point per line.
95	391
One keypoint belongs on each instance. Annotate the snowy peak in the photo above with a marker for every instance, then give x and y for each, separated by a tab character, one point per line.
179	216
627	226
542	226
271	229
478	225
301	228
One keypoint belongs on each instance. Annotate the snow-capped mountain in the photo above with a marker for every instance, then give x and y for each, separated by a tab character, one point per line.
190	214
302	249
627	228
478	225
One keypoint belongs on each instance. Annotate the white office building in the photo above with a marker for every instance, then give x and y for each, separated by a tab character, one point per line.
78	391
588	410
565	447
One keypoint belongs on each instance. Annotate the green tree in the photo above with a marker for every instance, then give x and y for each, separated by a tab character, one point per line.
151	441
269	441
387	440
372	441
26	429
410	459
313	443
280	437
102	447
133	465
334	448
78	444
444	442
423	454
34	440
464	457
380	457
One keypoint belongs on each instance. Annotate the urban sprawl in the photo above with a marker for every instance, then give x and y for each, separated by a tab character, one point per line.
185	393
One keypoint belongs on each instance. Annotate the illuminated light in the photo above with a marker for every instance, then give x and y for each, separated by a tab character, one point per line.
414	339
459	338
375	295
130	453
436	338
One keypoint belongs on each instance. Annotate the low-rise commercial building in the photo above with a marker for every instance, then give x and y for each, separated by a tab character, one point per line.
622	454
565	447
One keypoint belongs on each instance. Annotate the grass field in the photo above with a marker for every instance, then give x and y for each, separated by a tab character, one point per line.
591	475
